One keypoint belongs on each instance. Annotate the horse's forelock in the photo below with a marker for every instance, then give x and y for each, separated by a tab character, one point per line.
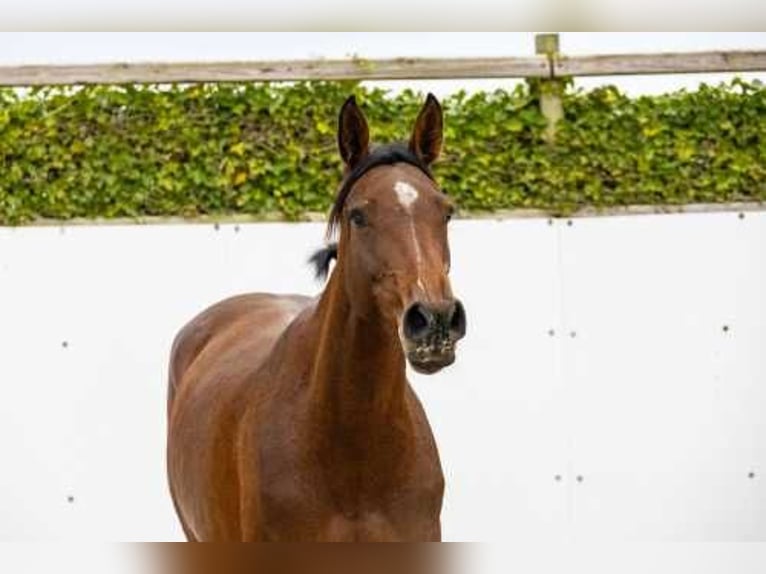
388	154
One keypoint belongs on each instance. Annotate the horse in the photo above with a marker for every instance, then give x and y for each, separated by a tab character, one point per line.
291	418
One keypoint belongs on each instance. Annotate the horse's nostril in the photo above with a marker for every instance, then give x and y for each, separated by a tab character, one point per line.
457	323
416	321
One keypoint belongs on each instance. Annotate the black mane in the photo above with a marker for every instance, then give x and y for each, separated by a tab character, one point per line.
321	260
387	154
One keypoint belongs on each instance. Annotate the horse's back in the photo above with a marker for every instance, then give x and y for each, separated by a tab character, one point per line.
253	320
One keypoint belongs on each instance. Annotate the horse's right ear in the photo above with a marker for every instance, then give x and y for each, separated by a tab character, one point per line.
353	133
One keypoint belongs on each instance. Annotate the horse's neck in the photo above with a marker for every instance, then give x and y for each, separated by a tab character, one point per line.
359	369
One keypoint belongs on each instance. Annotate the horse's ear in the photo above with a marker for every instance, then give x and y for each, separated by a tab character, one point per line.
353	133
426	139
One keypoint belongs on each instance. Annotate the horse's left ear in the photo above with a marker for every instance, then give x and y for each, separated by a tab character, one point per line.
426	139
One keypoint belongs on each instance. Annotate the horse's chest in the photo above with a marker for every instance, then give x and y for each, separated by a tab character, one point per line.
348	484
317	507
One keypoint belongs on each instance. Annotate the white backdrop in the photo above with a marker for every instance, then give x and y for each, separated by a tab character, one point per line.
612	383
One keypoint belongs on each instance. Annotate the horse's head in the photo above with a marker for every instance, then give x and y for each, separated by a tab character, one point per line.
393	249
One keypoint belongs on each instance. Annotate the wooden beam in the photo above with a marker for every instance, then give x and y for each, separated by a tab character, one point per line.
356	69
679	63
396	69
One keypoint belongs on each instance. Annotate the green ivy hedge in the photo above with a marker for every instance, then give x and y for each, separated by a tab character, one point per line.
257	148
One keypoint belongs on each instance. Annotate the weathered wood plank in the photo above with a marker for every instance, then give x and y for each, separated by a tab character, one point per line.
161	73
669	63
396	69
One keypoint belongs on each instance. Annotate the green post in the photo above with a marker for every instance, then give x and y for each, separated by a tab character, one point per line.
550	88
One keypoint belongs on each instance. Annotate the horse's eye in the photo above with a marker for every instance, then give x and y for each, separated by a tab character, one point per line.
357	218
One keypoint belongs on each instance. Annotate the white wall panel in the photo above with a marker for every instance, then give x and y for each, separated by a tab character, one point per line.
666	375
495	413
595	350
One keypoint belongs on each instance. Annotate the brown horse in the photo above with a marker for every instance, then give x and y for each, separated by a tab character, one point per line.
290	418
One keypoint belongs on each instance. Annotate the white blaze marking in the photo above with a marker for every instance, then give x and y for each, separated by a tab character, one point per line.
407	196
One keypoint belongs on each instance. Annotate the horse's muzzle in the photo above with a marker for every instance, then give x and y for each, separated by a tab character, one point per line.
431	332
